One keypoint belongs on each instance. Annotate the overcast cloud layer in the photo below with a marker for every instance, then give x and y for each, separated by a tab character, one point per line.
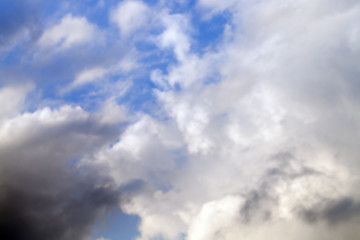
209	120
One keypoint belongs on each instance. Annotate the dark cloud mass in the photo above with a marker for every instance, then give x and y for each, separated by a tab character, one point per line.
333	212
44	192
60	213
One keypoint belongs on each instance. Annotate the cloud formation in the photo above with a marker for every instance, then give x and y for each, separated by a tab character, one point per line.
71	31
254	137
44	194
130	16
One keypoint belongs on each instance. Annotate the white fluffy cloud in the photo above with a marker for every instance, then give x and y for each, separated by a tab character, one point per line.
130	16
175	33
269	149
71	31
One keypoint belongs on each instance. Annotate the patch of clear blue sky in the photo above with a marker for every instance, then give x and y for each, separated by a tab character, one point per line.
208	33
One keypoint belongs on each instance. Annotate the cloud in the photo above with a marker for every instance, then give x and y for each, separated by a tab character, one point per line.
333	212
88	76
113	113
102	238
99	74
253	138
269	137
213	217
43	191
71	31
175	35
161	27
215	6
17	94
130	16
72	210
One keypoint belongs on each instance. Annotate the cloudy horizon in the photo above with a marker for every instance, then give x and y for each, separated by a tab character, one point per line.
179	120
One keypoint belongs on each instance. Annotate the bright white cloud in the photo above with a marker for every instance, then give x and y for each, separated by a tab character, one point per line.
130	16
175	35
71	31
215	216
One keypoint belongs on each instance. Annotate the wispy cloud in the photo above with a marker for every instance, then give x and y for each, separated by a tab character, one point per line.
71	31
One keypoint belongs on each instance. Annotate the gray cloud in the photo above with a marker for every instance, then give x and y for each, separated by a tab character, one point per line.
333	212
260	202
44	211
45	193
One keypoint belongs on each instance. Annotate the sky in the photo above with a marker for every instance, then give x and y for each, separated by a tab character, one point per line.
179	120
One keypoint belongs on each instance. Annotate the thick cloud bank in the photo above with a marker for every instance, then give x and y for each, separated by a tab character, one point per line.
252	136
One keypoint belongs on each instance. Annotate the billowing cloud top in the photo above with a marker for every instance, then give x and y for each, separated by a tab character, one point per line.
207	120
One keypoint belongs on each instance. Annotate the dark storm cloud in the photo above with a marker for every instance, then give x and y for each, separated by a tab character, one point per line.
44	212
45	194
